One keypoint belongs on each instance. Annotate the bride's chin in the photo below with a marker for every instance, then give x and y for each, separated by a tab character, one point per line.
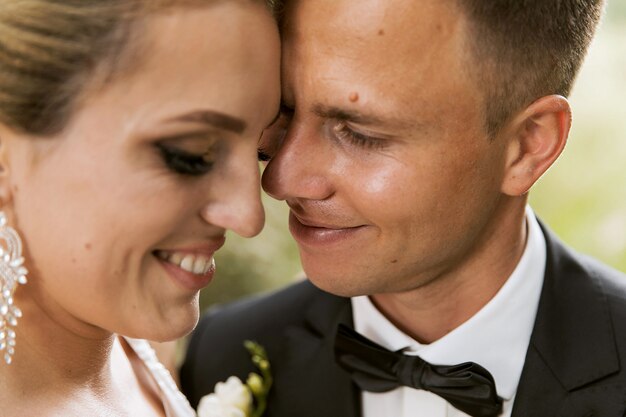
174	326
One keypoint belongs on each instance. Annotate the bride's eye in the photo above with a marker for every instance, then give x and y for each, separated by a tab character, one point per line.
184	162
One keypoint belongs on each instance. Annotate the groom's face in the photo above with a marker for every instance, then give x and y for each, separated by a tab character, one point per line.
381	151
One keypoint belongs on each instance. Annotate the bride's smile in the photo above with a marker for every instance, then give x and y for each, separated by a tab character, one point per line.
192	268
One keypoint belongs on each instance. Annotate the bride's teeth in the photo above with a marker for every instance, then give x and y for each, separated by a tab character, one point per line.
199	266
175	258
196	264
187	263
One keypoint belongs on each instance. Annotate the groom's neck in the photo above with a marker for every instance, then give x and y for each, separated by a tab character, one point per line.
447	299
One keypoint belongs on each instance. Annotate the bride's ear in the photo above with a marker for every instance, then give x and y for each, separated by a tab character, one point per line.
539	134
5	183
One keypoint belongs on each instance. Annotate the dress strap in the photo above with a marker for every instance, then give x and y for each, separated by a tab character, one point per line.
175	403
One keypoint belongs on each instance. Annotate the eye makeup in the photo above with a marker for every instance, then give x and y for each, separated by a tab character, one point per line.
190	154
185	163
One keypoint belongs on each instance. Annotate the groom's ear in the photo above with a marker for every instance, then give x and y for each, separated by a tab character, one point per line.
536	137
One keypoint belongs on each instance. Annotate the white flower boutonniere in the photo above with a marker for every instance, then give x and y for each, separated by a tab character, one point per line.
230	399
233	398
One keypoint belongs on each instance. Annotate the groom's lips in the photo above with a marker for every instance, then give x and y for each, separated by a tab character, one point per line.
313	233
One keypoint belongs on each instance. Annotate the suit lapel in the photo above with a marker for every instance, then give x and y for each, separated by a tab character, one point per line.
572	344
312	382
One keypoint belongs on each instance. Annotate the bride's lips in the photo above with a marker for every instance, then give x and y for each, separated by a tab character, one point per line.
192	267
314	233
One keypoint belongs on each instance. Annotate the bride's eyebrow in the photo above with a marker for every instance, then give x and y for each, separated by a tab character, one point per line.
214	119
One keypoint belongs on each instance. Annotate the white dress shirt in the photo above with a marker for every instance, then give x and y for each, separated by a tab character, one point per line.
496	338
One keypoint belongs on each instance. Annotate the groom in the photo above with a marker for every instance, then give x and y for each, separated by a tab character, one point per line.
410	135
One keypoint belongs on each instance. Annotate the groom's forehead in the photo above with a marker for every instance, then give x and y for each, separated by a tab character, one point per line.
366	16
372	75
344	41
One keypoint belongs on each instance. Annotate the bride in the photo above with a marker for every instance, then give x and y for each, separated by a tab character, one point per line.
128	142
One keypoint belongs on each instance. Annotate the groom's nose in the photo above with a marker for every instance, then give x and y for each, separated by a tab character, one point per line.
301	167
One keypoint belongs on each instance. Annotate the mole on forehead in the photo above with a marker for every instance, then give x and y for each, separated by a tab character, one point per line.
353	97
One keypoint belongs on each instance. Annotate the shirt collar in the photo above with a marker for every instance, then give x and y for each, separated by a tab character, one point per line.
497	337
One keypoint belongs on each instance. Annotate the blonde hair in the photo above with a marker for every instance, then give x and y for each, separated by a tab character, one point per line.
51	49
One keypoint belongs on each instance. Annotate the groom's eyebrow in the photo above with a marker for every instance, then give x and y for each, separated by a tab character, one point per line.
359	117
215	119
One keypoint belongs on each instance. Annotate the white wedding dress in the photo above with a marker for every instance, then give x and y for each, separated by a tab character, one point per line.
174	402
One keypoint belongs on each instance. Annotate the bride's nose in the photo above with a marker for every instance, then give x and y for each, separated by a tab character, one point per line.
236	199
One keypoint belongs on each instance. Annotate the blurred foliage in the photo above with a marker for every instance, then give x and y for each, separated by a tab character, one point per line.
616	11
583	197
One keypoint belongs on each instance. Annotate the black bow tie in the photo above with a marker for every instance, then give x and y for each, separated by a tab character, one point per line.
468	387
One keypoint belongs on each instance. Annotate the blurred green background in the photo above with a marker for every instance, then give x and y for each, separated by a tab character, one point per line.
582	197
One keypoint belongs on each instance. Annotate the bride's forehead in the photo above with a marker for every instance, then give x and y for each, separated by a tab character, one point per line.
62	47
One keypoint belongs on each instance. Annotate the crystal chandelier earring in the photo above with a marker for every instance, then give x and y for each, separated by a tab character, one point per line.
12	273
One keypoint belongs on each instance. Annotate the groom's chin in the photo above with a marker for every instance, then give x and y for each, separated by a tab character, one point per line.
340	285
345	275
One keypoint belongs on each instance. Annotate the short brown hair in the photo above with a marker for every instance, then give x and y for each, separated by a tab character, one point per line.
527	49
50	49
521	49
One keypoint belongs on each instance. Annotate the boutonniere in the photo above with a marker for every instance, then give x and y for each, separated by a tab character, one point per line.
233	398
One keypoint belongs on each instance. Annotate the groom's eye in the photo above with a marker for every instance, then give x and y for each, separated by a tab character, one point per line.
272	137
263	156
343	131
270	142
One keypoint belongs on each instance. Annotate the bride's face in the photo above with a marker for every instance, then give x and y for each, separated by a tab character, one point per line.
121	212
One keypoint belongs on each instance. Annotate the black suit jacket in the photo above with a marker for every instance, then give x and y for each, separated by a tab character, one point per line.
575	365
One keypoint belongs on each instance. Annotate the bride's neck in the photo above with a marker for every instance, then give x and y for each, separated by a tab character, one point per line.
55	350
63	366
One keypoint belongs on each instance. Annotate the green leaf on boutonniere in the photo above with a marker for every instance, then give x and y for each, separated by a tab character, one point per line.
259	383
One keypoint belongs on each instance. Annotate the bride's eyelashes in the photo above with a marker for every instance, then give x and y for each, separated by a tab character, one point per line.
186	163
191	154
